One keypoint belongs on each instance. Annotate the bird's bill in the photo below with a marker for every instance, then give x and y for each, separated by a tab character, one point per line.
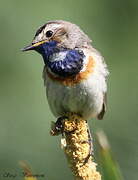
33	46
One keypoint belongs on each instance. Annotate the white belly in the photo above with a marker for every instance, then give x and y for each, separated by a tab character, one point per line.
85	98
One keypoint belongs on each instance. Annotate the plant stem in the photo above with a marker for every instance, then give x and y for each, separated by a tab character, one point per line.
77	147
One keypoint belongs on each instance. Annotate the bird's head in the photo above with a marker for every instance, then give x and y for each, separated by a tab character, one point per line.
60	43
59	33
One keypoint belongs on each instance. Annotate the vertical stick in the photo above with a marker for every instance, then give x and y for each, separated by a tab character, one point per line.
77	148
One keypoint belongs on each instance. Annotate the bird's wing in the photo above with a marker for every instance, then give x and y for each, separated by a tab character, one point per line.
101	114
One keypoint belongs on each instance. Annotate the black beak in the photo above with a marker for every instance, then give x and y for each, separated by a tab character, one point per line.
28	48
33	46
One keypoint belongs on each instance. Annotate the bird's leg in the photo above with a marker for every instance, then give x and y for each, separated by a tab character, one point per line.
59	124
58	127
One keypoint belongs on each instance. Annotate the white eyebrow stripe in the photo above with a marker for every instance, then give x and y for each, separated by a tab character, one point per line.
51	27
42	32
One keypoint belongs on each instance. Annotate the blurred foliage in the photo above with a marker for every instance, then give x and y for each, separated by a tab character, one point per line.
27	172
108	164
24	113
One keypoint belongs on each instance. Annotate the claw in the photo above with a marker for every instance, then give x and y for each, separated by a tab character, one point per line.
57	127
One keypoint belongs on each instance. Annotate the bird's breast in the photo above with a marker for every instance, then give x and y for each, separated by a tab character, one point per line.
88	68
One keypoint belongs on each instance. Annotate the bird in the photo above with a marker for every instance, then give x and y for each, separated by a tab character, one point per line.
75	73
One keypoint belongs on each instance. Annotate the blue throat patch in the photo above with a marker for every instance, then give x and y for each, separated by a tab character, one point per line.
69	66
47	49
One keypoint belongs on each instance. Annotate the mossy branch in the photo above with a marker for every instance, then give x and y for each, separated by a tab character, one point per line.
77	147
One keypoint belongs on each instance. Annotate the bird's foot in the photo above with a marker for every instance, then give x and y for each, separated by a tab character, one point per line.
57	127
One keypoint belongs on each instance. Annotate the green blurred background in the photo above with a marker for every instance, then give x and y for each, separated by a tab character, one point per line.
24	113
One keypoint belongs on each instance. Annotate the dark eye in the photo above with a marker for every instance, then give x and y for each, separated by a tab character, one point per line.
49	33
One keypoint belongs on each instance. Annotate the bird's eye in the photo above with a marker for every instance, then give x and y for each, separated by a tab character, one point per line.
49	33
